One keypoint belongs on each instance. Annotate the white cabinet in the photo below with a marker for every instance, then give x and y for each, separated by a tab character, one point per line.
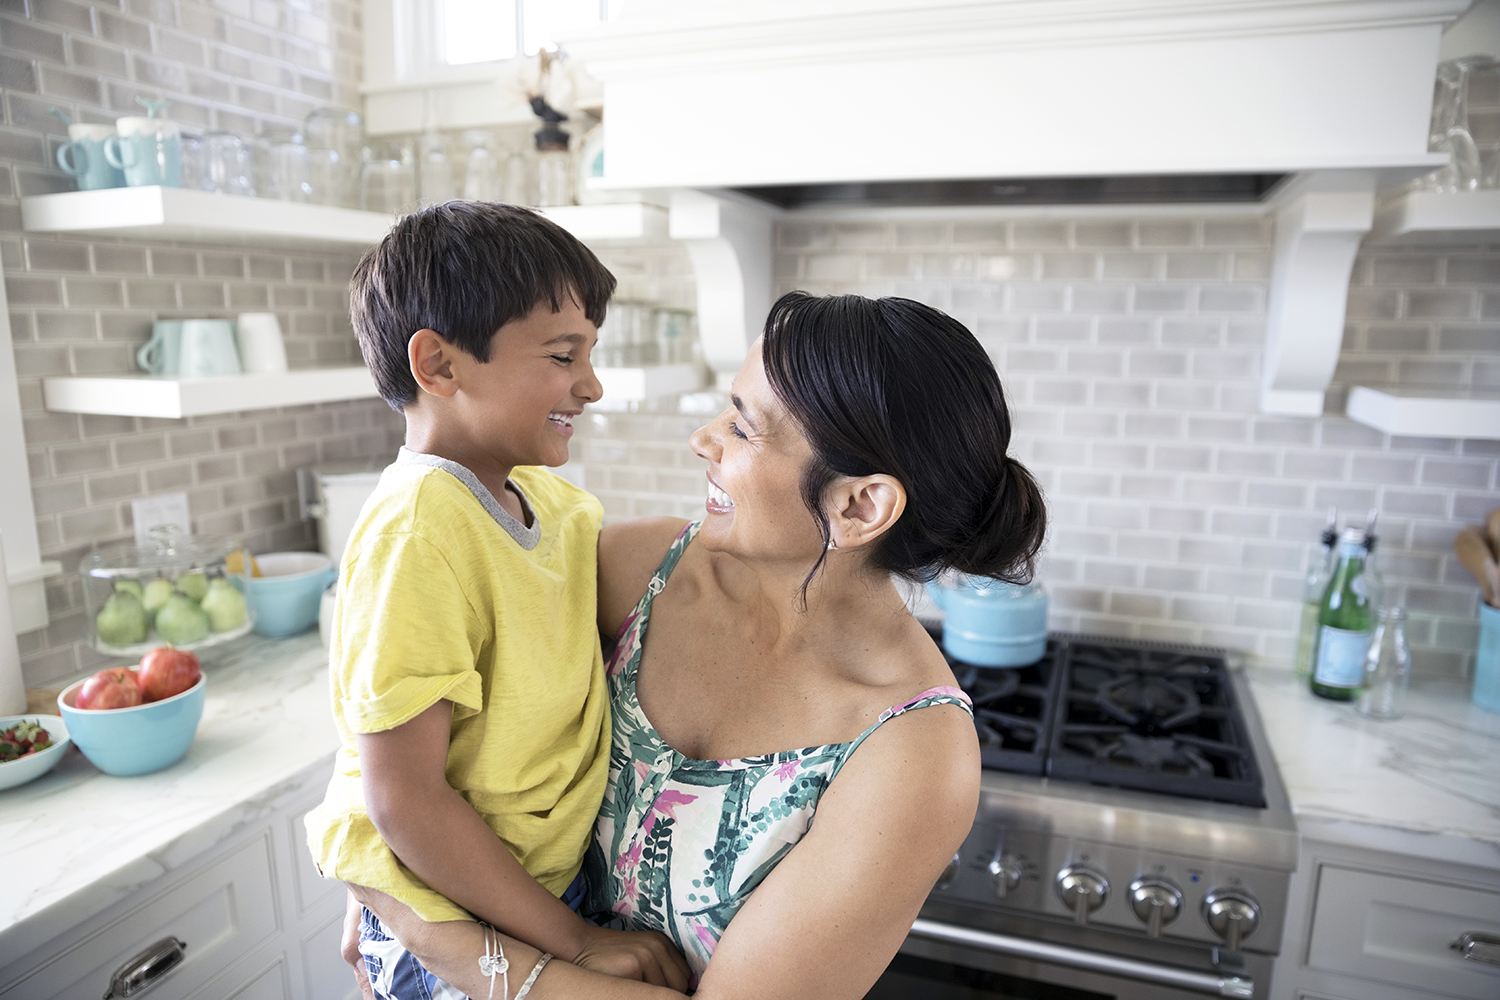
257	921
1366	925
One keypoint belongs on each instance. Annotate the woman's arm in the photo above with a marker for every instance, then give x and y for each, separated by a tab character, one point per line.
883	833
629	552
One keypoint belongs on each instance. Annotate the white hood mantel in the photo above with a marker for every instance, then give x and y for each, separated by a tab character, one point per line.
729	93
1334	95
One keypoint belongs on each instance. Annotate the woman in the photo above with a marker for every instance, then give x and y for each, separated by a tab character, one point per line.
867	438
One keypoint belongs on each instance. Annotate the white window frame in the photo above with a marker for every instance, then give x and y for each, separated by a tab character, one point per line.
409	88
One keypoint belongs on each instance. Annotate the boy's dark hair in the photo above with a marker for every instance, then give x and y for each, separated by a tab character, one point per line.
464	269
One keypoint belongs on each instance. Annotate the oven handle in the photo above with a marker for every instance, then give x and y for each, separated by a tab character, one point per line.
1162	975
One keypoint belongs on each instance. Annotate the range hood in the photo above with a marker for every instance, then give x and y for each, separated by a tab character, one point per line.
1307	109
752	93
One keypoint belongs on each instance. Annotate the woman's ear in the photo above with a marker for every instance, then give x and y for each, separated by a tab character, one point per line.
430	357
864	508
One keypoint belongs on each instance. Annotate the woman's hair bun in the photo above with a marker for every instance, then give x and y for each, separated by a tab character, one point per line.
895	386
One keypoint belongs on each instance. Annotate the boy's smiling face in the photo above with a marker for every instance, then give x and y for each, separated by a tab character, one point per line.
517	408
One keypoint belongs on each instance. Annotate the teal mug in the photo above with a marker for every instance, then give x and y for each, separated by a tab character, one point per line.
1486	691
208	348
288	594
162	354
148	150
83	158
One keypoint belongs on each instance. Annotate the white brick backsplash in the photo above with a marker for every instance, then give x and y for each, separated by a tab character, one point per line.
81	307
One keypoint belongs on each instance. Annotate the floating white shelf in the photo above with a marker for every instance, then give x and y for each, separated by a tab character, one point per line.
154	396
166	213
632	384
1429	218
628	221
1427	411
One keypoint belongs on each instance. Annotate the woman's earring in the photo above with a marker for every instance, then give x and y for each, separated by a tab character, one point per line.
832	544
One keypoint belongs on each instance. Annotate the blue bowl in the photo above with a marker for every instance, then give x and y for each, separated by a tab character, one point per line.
137	740
285	597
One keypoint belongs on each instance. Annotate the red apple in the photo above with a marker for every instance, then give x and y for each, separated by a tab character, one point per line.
166	671
115	687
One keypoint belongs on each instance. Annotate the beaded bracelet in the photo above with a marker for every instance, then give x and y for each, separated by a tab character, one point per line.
494	963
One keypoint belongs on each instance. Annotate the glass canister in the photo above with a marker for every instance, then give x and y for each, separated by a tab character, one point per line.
991	623
1387	668
186	592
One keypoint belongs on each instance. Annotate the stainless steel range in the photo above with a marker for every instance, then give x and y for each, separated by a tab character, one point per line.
1133	839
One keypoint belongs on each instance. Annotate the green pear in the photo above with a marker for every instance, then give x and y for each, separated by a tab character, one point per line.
224	604
181	621
122	620
129	587
156	594
195	585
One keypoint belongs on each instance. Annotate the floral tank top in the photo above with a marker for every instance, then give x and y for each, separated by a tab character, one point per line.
680	843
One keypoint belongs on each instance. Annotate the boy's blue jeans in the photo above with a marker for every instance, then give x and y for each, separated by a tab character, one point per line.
395	974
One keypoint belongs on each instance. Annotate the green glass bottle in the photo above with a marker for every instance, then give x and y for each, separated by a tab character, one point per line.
1344	624
1318	573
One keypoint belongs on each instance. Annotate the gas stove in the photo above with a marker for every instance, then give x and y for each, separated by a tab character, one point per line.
1132	832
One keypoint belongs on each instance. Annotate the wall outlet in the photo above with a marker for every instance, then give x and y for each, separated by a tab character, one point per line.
164	508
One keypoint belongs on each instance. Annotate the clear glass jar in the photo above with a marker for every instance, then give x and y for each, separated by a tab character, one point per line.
1387	668
484	166
435	182
186	592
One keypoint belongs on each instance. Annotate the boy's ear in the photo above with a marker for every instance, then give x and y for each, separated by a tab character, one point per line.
431	359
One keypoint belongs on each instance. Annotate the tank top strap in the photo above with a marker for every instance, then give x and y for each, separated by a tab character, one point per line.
658	579
945	695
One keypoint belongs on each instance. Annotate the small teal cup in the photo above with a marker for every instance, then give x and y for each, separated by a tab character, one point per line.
161	354
1487	661
138	740
148	150
287	594
83	158
208	348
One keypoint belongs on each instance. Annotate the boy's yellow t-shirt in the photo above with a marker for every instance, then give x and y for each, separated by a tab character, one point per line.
442	594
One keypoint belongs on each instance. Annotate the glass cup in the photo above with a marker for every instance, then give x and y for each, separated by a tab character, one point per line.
387	185
334	140
226	164
484	167
436	185
282	166
1387	668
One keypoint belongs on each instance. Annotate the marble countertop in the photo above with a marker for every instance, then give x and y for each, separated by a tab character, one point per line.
77	840
1427	783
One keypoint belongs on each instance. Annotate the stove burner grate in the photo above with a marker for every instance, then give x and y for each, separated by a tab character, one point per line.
1156	719
1012	707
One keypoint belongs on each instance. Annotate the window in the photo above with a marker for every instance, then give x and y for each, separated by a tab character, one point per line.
476	31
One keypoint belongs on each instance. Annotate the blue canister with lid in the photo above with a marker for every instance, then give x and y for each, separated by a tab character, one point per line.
990	623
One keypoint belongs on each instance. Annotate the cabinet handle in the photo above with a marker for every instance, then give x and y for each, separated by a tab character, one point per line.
146	969
1478	947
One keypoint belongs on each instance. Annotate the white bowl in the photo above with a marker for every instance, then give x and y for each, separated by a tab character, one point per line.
24	769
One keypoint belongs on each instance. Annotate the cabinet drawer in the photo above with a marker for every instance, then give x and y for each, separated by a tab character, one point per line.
222	912
1395	929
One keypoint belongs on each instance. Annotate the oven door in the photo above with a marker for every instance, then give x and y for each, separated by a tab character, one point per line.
941	961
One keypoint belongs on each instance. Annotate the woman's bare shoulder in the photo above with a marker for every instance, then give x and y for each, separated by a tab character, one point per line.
629	552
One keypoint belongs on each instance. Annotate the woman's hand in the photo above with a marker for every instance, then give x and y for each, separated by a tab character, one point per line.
648	956
349	947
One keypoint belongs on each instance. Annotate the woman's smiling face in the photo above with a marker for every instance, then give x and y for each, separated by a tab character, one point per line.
756	453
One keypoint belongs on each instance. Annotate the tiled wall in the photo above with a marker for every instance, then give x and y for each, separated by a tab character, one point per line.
1131	350
80	306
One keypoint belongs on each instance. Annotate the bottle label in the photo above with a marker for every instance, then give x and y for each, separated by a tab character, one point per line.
1341	657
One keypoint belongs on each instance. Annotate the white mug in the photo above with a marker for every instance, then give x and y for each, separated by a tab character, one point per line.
261	346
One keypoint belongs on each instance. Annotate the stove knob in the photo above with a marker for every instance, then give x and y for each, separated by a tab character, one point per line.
1007	874
1231	915
949	874
1082	890
1156	901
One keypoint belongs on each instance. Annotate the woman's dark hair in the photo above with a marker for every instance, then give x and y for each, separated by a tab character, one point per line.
893	386
464	269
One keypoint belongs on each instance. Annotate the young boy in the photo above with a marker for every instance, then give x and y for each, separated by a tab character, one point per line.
468	686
